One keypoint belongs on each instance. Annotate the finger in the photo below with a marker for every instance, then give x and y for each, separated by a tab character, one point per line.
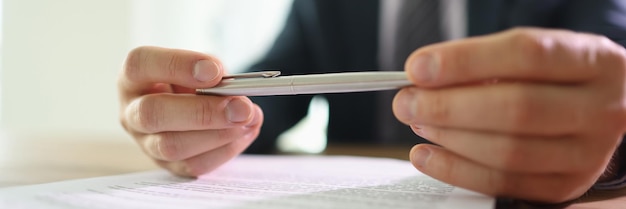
509	107
176	146
146	66
444	165
518	54
174	112
513	153
208	161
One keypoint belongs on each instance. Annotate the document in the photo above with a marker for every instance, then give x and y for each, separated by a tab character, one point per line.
259	182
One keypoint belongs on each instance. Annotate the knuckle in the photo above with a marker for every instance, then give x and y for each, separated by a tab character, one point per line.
616	57
204	114
520	107
134	63
532	48
437	109
610	57
175	62
168	146
148	116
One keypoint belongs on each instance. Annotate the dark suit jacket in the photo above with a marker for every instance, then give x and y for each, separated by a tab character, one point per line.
342	35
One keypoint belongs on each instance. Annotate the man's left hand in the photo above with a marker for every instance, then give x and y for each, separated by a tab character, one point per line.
527	113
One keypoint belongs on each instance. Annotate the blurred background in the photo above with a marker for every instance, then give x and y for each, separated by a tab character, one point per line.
60	59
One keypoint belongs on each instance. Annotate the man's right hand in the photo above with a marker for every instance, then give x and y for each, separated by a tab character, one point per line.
185	133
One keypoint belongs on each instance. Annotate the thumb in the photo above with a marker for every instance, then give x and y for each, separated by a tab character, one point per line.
523	54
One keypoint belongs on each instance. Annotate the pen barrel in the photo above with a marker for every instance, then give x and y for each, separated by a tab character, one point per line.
310	84
351	82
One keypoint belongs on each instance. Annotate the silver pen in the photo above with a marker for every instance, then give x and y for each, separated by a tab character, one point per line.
268	83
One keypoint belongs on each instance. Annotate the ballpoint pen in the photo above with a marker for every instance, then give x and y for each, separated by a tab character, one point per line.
267	83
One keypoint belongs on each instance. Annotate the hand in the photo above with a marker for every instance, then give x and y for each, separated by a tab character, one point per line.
184	133
527	113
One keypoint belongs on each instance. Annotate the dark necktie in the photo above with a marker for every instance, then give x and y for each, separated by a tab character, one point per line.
418	25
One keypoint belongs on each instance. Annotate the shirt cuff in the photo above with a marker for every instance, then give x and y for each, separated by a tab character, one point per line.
620	180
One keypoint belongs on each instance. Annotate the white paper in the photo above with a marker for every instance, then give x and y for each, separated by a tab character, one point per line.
258	182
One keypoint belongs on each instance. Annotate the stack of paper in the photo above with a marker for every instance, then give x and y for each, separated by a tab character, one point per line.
258	182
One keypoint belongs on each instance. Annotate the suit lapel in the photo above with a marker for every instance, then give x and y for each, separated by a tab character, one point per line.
350	31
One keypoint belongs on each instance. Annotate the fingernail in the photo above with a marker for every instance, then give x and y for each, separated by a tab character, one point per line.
419	130
182	169
206	70
404	104
424	68
256	118
420	156
237	111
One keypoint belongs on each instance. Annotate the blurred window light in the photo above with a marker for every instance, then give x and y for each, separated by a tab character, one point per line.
309	135
236	31
1	41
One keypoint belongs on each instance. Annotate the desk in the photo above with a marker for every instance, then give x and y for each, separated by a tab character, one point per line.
46	157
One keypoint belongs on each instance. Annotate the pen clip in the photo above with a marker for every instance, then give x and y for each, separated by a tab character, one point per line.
260	74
